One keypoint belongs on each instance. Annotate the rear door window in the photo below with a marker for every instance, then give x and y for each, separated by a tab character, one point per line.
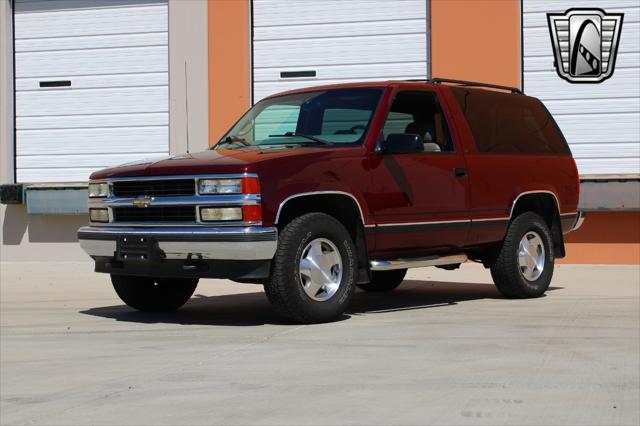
504	123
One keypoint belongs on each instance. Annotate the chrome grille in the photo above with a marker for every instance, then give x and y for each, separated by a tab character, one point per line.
154	188
155	214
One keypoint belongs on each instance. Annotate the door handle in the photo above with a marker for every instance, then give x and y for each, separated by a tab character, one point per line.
460	172
58	83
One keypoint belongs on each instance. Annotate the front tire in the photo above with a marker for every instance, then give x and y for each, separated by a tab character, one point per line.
154	294
313	272
382	281
524	266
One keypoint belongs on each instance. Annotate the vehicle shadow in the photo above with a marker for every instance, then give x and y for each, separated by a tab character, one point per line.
252	309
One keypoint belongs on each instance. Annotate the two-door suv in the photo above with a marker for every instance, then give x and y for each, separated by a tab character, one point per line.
315	192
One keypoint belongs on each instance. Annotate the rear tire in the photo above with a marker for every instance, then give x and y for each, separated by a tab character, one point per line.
313	271
154	294
382	281
524	265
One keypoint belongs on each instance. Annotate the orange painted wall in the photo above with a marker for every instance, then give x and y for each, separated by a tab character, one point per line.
607	238
476	40
229	64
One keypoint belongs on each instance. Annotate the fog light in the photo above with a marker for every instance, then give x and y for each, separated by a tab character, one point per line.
218	214
99	215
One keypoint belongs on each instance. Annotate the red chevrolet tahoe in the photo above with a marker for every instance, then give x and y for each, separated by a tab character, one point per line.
315	192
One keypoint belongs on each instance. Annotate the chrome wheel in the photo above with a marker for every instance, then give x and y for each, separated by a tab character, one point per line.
320	269
531	256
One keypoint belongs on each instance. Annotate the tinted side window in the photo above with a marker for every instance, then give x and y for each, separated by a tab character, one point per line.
508	124
419	113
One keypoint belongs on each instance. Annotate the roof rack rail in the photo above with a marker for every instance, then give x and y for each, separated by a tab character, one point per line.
475	84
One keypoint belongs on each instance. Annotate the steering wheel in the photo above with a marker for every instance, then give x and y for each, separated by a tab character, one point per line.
351	131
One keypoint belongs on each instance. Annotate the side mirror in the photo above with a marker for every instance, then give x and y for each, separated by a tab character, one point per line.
402	143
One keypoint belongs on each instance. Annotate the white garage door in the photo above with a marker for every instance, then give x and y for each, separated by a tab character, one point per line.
600	121
91	85
298	43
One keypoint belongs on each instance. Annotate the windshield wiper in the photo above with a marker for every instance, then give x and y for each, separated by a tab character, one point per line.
231	139
301	135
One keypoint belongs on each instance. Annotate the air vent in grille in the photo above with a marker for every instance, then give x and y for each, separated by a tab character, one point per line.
154	214
155	188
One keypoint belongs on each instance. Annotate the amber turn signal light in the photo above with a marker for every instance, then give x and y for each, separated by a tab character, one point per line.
252	213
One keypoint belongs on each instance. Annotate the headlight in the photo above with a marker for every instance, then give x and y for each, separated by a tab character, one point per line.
98	190
219	214
220	186
99	215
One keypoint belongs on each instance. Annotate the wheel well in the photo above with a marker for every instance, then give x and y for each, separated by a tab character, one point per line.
342	207
544	204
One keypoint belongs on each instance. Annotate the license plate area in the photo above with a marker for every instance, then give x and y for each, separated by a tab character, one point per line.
136	248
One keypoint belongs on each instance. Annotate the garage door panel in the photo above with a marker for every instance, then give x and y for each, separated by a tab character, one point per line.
607	166
538	40
83	161
590	106
93	120
92	62
333	30
351	50
39	5
545	63
345	72
539	19
97	20
544	6
269	12
547	85
54	175
104	140
605	150
597	128
96	81
92	101
91	42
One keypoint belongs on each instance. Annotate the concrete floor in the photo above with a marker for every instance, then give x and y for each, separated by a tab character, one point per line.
443	349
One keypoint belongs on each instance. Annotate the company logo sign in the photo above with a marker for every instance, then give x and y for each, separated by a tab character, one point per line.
585	43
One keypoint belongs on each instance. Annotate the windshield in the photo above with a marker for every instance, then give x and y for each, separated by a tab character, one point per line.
330	117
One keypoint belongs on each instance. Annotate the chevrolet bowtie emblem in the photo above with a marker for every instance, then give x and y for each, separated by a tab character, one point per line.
142	201
585	43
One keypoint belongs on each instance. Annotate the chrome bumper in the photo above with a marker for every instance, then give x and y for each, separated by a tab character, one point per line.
221	243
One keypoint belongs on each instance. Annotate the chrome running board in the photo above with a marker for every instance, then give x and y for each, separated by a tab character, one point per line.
418	262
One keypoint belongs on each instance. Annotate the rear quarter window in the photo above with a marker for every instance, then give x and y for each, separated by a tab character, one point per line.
504	123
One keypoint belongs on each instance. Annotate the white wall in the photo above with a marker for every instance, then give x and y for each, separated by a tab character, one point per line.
53	238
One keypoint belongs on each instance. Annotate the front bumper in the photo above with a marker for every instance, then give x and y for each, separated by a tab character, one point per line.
233	243
221	252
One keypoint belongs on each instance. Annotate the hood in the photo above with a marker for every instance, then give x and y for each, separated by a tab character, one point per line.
205	162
